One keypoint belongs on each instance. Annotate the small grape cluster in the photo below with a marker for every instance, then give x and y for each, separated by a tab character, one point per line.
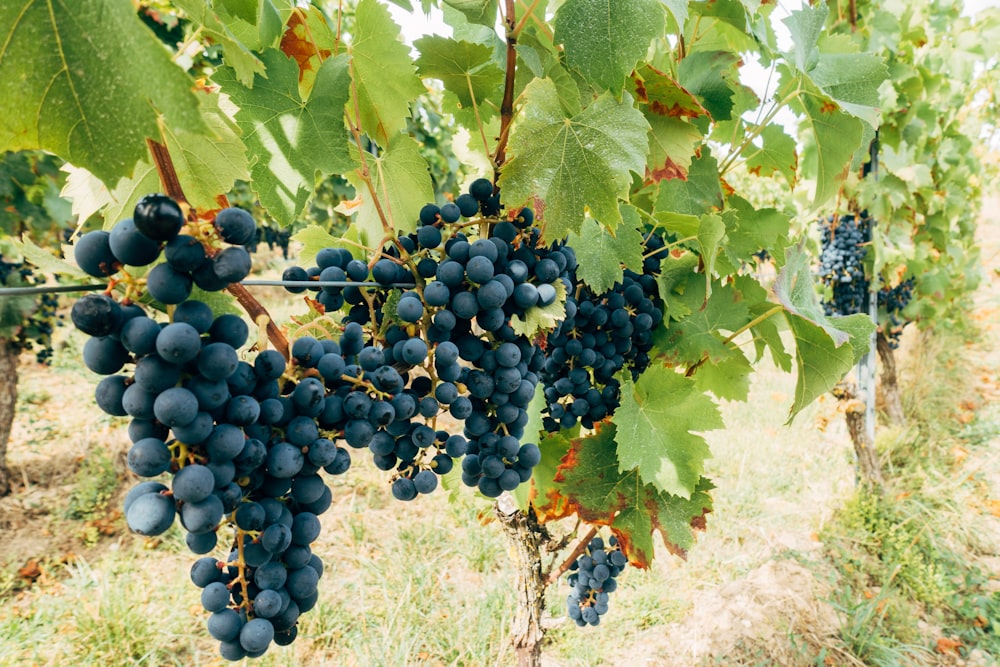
844	246
844	242
601	335
893	300
154	229
593	578
37	327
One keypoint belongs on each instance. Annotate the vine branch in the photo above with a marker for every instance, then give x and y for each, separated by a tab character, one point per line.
581	546
507	104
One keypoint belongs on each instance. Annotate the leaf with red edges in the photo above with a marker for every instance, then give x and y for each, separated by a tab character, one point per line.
589	484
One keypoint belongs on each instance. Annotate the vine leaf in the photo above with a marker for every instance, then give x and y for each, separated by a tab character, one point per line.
589	483
291	139
837	134
699	194
571	162
806	26
383	73
656	422
66	90
309	39
235	53
604	39
313	239
466	69
481	12
128	191
206	167
706	75
47	262
825	347
698	335
403	184
777	154
601	254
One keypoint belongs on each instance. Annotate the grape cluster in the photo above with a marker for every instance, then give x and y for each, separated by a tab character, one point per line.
844	242
894	300
593	578
37	327
465	291
844	245
241	440
601	335
154	229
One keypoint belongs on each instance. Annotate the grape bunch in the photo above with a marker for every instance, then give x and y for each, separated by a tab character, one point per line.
240	440
593	578
842	269
601	335
893	300
844	242
38	324
194	258
409	370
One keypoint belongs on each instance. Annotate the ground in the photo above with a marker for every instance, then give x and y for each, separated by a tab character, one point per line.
794	569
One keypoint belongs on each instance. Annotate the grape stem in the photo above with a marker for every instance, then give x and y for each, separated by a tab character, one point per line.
172	187
507	104
581	546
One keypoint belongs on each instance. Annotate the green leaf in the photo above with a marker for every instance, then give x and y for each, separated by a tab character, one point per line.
825	348
678	9
466	69
542	318
313	239
208	166
604	39
483	12
244	9
806	26
590	484
291	140
403	185
707	76
383	73
128	191
819	361
699	334
711	232
750	230
235	53
795	288
853	79
728	378
656	422
47	262
602	254
87	81
837	135
569	163
701	193
777	154
534	431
